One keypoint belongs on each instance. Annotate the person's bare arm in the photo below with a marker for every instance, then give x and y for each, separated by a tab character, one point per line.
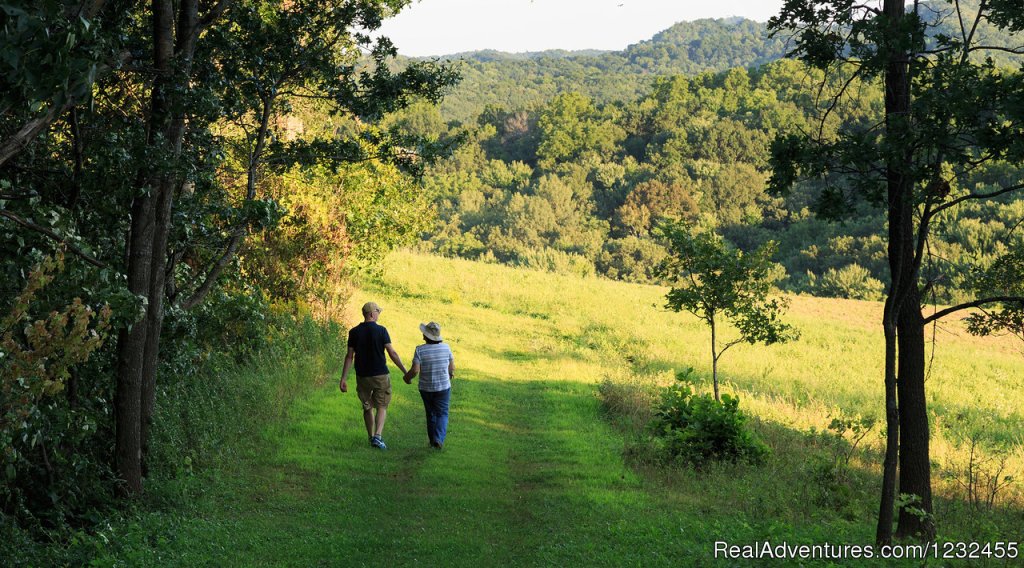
451	368
350	358
413	371
395	358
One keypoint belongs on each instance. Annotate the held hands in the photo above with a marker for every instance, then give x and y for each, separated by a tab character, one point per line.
408	377
343	385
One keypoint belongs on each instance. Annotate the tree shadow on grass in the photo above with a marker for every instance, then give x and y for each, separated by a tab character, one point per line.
812	483
530	476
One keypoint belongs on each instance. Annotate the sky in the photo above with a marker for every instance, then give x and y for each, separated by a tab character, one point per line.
442	27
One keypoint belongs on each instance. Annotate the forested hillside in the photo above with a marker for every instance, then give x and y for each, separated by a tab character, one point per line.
570	160
526	80
577	185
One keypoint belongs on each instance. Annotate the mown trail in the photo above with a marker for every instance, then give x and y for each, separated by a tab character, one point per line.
530	476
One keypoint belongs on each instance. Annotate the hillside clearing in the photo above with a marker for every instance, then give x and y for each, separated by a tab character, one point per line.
531	474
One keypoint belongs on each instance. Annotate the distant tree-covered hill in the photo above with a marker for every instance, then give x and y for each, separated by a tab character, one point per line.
494	78
528	80
705	45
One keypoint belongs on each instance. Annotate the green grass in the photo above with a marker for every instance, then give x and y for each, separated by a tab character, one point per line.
532	475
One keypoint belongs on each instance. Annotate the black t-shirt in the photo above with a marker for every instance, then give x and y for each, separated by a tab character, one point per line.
368	340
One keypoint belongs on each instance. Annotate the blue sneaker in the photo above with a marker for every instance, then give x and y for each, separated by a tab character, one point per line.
378	443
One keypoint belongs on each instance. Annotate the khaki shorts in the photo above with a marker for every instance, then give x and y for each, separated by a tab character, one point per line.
374	392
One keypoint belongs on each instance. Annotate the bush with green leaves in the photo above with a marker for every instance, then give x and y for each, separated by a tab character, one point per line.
53	429
852	281
695	428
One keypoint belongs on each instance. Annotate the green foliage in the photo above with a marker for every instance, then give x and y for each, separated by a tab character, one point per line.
709	280
209	416
686	48
41	417
851	281
1002	279
714	282
48	54
214	407
695	428
835	478
284	131
556	261
692	148
571	128
339	221
632	259
651	200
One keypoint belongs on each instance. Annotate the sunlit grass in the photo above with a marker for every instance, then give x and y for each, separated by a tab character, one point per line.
534	475
528	325
517	320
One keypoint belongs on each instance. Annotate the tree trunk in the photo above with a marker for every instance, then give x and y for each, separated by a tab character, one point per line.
154	315
915	519
883	532
714	359
174	136
131	360
903	307
131	346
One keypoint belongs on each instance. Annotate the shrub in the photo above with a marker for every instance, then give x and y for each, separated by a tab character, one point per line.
212	411
631	258
556	261
852	281
693	429
52	410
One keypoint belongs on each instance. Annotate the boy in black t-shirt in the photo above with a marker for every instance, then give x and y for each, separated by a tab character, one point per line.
367	343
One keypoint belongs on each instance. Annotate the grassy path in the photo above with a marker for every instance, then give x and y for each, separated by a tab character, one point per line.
531	475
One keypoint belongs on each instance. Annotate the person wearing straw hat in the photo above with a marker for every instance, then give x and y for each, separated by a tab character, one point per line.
367	343
435	364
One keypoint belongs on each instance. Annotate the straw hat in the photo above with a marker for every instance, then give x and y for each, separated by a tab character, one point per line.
431	331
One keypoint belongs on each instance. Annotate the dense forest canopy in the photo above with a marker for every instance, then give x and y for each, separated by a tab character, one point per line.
524	80
571	159
167	172
687	48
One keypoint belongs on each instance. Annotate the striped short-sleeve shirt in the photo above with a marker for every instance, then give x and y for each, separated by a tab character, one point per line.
433	360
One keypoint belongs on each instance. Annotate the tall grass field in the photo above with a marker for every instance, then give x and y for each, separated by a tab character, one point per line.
545	463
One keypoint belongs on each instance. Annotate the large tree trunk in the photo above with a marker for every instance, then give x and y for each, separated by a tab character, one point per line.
174	136
915	518
896	108
915	465
138	346
903	308
131	347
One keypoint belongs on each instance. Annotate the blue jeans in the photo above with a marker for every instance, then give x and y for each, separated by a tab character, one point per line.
436	405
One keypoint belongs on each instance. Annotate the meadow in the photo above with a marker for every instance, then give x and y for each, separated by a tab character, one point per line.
537	471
